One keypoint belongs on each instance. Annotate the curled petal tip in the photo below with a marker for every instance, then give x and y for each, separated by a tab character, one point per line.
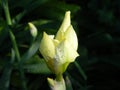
47	47
65	24
51	82
67	12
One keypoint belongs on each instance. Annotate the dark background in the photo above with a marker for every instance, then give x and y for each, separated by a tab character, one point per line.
97	24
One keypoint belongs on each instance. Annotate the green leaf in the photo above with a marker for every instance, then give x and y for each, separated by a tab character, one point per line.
3	31
31	51
68	84
28	7
5	78
80	70
36	65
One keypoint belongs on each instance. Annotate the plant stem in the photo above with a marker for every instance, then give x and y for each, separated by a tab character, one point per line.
19	59
59	77
14	45
12	37
7	13
9	22
24	87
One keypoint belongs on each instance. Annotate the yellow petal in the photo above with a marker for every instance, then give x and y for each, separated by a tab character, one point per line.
71	37
56	42
47	47
51	82
65	24
56	85
52	36
65	54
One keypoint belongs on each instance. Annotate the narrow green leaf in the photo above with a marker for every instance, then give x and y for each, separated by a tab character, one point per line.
40	67
5	78
29	7
68	84
3	33
74	81
32	50
36	65
80	70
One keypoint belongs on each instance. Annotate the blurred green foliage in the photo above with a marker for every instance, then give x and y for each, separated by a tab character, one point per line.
97	23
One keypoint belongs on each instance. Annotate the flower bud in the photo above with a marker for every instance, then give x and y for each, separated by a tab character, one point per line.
56	85
61	50
33	30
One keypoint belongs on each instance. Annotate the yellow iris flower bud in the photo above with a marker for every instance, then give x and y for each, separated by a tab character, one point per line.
33	29
56	85
61	50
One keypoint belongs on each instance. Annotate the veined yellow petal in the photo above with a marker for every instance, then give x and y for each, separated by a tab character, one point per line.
65	24
70	52
65	54
47	47
71	37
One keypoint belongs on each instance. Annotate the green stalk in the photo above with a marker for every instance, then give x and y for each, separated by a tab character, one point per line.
24	87
9	22
7	13
12	37
14	45
19	59
59	77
